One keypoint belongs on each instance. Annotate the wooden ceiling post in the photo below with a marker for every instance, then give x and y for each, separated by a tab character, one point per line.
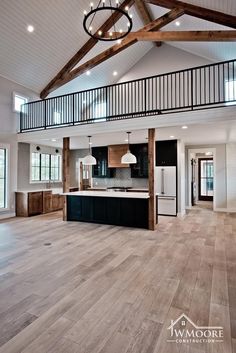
65	171
145	15
152	218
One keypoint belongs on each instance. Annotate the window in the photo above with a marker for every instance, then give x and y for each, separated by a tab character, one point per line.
100	111
57	118
45	167
3	168
35	167
55	167
18	101
230	92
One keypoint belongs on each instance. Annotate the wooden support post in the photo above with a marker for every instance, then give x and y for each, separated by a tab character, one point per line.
151	179
65	171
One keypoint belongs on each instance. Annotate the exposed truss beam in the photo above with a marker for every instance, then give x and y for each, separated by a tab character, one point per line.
187	36
144	14
197	11
127	42
52	85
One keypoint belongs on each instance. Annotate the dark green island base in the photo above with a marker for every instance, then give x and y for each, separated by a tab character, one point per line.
119	211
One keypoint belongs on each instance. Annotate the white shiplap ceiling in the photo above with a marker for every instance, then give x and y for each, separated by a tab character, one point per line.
33	59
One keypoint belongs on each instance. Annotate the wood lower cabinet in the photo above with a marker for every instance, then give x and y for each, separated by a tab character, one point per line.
33	203
57	202
47	201
29	203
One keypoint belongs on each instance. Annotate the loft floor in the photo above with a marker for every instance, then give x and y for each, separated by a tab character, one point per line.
108	289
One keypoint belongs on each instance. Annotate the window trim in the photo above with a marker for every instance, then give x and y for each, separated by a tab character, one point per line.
14	94
6	147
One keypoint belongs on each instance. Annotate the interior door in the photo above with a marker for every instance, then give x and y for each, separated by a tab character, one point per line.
205	179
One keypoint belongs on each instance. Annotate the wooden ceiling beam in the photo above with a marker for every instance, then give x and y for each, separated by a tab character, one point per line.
187	36
53	84
198	11
129	40
144	14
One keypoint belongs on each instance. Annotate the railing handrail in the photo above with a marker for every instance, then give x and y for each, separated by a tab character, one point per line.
135	80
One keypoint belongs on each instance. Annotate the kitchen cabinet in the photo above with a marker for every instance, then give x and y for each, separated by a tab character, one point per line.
57	202
115	153
166	153
101	170
129	212
47	201
140	169
29	203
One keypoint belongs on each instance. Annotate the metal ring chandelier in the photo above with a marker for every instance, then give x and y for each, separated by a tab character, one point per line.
114	33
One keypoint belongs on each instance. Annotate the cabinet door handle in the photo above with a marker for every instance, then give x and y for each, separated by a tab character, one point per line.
162	181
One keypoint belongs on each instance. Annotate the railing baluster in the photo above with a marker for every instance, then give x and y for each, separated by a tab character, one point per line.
191	89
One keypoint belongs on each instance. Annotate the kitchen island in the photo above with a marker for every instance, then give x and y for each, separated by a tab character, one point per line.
128	209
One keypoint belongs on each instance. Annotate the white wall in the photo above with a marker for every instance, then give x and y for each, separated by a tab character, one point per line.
162	60
8	134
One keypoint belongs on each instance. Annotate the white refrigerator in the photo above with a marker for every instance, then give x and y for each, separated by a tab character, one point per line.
166	189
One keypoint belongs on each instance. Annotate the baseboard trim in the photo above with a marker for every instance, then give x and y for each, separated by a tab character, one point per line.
181	214
6	215
226	210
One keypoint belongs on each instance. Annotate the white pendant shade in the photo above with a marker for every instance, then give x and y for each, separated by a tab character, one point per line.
128	158
89	160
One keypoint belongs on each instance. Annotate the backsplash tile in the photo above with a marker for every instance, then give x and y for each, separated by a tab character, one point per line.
122	178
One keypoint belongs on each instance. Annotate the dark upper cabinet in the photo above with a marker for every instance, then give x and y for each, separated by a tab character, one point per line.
166	153
140	169
101	170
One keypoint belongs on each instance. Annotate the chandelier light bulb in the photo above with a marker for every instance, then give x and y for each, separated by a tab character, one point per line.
121	31
90	28
126	8
85	12
110	34
119	41
128	24
91	5
100	33
131	16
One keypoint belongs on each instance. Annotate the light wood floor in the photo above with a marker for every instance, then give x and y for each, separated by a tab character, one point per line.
106	289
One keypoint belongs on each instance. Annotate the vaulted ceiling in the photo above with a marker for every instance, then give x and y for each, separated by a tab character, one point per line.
33	59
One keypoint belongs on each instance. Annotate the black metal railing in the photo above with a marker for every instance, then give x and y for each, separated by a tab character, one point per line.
191	89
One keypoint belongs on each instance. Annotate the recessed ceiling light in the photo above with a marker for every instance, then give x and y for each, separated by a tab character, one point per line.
184	127
177	23
172	136
208	153
115	73
126	140
30	28
88	73
53	140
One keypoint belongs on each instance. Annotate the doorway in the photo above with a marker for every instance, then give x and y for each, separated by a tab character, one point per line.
205	179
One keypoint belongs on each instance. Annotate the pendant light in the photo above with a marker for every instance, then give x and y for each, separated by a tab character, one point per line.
128	158
89	159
